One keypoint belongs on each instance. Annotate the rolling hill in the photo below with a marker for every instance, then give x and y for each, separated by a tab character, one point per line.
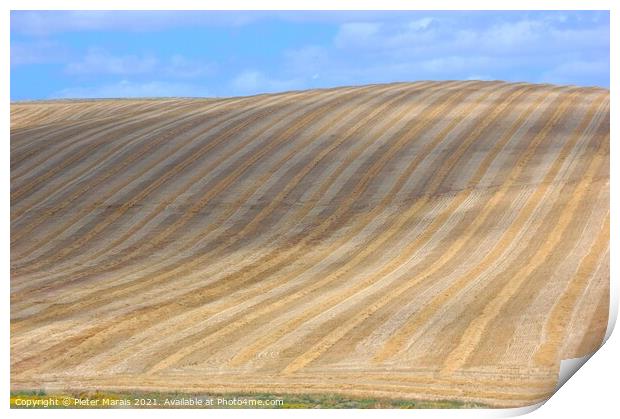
430	240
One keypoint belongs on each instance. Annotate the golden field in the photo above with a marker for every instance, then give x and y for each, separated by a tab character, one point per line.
428	241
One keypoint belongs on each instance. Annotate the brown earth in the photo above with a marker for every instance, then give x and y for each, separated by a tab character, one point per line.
432	240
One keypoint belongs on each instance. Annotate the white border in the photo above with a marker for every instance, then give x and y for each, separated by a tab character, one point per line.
593	390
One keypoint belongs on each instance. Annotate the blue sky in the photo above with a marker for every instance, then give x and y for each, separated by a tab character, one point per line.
73	54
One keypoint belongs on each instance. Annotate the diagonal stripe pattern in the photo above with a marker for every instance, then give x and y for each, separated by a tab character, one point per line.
430	240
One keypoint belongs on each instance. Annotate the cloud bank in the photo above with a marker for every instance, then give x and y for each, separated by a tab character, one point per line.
240	53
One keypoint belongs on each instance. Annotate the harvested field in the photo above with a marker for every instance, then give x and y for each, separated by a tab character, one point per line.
413	241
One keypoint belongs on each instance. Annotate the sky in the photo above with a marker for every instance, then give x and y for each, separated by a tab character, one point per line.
89	54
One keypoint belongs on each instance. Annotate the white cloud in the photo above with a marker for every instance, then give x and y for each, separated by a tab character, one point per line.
248	80
511	34
437	36
44	23
379	36
98	61
127	88
439	47
578	71
356	34
184	68
37	52
420	24
367	47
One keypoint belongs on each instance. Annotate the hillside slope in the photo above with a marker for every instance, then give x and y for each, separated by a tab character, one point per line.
434	240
